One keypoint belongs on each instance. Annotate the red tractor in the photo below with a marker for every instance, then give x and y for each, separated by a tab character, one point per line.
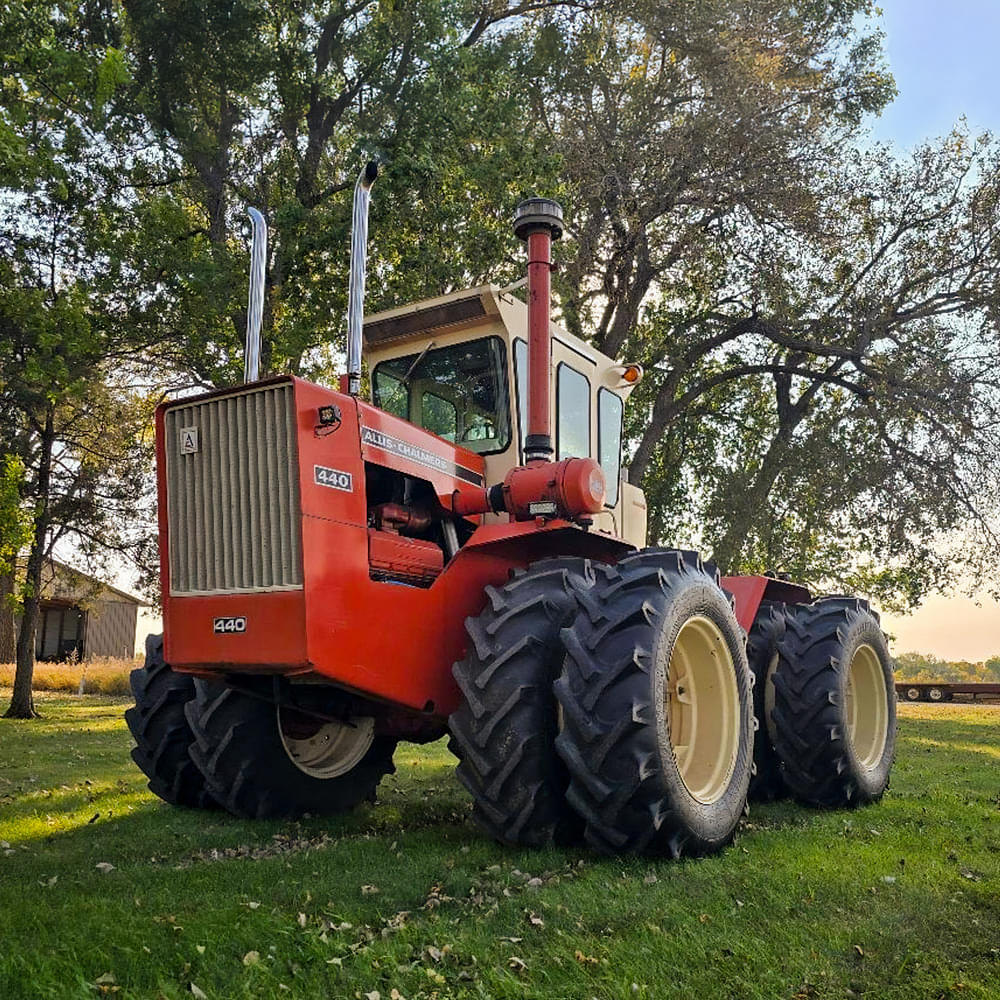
463	554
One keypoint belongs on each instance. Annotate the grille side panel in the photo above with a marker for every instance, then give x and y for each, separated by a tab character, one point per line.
233	505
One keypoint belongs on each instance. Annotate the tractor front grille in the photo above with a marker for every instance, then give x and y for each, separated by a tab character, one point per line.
233	508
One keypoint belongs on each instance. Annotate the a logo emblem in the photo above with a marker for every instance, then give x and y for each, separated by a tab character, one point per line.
189	440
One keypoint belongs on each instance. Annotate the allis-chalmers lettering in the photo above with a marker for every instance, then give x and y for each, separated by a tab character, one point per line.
396	446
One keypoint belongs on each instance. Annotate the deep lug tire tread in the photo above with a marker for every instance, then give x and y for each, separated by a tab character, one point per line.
162	735
238	750
768	628
504	729
610	738
807	726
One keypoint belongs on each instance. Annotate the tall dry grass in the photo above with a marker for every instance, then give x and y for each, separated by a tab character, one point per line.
103	675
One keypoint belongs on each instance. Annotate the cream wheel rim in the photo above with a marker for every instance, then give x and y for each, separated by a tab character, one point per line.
702	702
324	749
867	706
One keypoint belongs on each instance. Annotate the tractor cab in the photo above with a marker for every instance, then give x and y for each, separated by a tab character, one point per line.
457	366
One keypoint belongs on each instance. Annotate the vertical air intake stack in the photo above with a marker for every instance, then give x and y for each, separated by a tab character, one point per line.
538	221
573	488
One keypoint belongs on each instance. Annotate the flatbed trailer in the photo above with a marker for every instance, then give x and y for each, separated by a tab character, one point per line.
944	690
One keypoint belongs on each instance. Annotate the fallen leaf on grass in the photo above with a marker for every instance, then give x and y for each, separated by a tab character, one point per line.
303	920
517	964
396	995
435	953
254	905
585	959
200	948
859	951
374	995
104	867
369	890
651	879
251	958
197	992
535	920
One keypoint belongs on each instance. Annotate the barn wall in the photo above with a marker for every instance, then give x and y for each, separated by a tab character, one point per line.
111	629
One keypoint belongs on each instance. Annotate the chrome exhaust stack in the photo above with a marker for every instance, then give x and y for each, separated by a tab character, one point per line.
255	307
356	289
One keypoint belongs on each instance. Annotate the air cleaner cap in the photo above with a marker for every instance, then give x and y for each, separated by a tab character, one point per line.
538	213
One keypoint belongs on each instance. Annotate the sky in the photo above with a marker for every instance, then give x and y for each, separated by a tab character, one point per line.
946	61
944	57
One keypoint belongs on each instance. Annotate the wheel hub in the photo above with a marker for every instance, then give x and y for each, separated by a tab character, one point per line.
324	749
702	704
867	706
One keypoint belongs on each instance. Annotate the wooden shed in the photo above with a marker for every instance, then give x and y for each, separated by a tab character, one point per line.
81	617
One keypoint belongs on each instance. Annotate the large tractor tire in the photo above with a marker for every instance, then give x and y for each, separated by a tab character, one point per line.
505	728
657	710
161	732
262	761
834	717
768	628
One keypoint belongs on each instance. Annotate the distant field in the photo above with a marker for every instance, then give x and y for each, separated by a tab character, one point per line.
105	891
106	675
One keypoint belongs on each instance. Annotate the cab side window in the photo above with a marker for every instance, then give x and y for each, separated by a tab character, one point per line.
609	441
521	389
572	413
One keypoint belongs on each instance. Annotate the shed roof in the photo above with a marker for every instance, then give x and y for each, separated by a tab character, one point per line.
63	582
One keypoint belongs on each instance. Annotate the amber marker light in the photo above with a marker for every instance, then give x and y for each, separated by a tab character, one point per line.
625	376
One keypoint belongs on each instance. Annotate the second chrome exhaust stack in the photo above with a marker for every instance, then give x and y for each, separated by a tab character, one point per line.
255	307
356	288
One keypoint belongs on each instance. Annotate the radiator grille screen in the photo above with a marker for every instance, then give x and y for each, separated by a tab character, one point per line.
233	506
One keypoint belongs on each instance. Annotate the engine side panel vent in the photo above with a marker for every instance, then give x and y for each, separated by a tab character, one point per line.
233	507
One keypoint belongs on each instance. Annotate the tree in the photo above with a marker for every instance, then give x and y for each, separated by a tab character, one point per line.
63	348
816	322
674	120
15	532
279	107
877	436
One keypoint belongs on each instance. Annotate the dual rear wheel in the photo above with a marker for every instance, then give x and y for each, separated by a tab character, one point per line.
206	745
647	740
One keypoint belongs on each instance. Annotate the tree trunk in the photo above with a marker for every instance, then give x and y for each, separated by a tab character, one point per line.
729	548
22	703
8	638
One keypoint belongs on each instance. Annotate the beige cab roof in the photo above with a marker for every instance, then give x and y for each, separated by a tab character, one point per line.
485	305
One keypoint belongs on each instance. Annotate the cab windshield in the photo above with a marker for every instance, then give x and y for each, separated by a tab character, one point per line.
457	392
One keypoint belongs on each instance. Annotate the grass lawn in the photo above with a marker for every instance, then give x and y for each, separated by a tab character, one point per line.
106	891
